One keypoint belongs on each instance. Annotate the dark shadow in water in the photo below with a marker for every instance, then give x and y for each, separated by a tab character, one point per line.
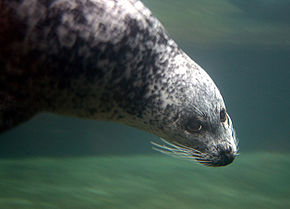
54	136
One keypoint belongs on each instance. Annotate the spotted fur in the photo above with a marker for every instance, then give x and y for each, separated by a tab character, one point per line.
104	59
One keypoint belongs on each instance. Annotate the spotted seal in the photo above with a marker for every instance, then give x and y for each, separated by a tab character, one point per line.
109	60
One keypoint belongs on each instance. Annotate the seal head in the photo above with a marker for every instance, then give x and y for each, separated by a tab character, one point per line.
197	126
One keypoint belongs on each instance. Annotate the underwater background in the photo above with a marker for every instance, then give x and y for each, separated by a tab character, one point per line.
55	162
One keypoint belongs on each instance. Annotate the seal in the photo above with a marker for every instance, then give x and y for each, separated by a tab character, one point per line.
109	60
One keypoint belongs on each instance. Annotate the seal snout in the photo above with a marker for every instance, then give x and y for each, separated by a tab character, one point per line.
226	156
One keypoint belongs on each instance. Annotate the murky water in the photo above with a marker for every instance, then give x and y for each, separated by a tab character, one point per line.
256	180
56	162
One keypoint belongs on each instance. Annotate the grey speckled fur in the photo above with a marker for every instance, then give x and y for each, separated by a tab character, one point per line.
109	60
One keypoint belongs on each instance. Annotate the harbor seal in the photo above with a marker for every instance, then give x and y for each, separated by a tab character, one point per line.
109	60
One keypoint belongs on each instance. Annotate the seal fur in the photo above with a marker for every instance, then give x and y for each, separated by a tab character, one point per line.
109	60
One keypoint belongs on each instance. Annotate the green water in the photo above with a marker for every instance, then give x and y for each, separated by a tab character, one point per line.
258	180
56	162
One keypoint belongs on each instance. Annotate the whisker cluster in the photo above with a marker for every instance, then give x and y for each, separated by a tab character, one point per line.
180	151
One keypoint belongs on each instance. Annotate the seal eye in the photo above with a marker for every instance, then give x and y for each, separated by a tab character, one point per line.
193	126
223	115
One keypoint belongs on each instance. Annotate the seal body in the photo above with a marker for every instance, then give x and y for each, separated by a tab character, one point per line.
109	60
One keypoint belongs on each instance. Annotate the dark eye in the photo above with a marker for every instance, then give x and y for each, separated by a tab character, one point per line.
223	115
193	126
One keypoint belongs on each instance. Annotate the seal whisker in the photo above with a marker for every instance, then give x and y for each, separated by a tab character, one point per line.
176	148
195	155
198	111
200	160
174	154
170	144
188	148
164	147
180	146
179	151
207	164
204	162
172	151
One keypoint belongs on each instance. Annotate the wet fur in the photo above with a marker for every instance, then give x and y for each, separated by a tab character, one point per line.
109	60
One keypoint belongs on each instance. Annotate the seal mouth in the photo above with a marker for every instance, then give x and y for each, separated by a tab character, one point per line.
222	158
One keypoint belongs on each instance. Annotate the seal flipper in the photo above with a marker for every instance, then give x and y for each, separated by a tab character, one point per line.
12	113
